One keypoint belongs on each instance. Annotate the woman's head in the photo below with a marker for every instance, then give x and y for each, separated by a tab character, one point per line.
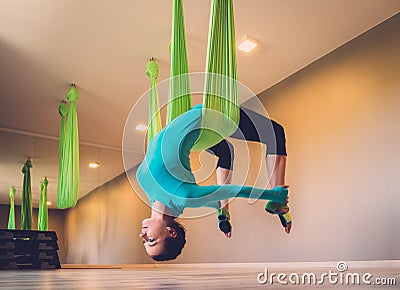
163	240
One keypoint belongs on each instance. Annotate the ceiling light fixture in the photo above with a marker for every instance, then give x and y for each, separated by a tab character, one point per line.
141	127
94	165
247	44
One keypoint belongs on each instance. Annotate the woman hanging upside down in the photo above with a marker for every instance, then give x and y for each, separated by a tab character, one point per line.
257	128
166	177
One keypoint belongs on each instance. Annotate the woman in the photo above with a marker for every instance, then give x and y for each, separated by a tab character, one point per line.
166	177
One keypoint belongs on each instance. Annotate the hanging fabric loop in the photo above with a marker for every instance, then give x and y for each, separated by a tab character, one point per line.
43	215
221	109
154	120
26	205
63	110
179	97
68	171
11	216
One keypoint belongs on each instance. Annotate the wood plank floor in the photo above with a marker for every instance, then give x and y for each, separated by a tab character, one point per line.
193	276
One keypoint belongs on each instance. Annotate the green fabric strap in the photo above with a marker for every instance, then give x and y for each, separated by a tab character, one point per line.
43	215
154	123
221	109
26	205
68	172
63	110
179	98
11	216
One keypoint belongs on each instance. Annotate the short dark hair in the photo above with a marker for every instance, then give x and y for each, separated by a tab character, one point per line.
173	246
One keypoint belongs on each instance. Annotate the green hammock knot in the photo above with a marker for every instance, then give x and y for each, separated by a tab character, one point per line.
73	94
12	191
152	70
44	183
28	163
63	109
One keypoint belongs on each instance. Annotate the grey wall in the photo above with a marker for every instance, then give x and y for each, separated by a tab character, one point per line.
104	226
341	116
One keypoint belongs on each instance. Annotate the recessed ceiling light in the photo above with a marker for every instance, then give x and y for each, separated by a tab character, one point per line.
247	44
94	164
141	127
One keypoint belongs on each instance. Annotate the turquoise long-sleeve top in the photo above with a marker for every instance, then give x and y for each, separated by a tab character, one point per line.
166	176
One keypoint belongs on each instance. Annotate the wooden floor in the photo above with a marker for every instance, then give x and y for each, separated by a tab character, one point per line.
191	276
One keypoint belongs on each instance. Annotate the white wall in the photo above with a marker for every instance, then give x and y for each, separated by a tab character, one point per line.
341	116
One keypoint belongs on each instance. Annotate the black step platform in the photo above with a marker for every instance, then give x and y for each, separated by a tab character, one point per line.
23	249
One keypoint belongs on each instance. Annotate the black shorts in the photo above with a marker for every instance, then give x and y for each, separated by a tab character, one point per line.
252	127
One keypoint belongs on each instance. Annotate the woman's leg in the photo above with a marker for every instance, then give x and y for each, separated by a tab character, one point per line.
258	128
276	167
224	176
255	127
225	153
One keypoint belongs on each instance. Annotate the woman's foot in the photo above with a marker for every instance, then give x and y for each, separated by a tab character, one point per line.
282	210
224	222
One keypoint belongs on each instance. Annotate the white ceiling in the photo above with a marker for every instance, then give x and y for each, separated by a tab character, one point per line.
103	47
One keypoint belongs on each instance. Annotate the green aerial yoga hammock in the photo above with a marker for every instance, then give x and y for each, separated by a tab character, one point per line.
11	216
154	106
179	98
26	205
43	215
68	171
221	109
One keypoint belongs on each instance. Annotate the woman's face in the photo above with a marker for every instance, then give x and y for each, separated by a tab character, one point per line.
154	232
